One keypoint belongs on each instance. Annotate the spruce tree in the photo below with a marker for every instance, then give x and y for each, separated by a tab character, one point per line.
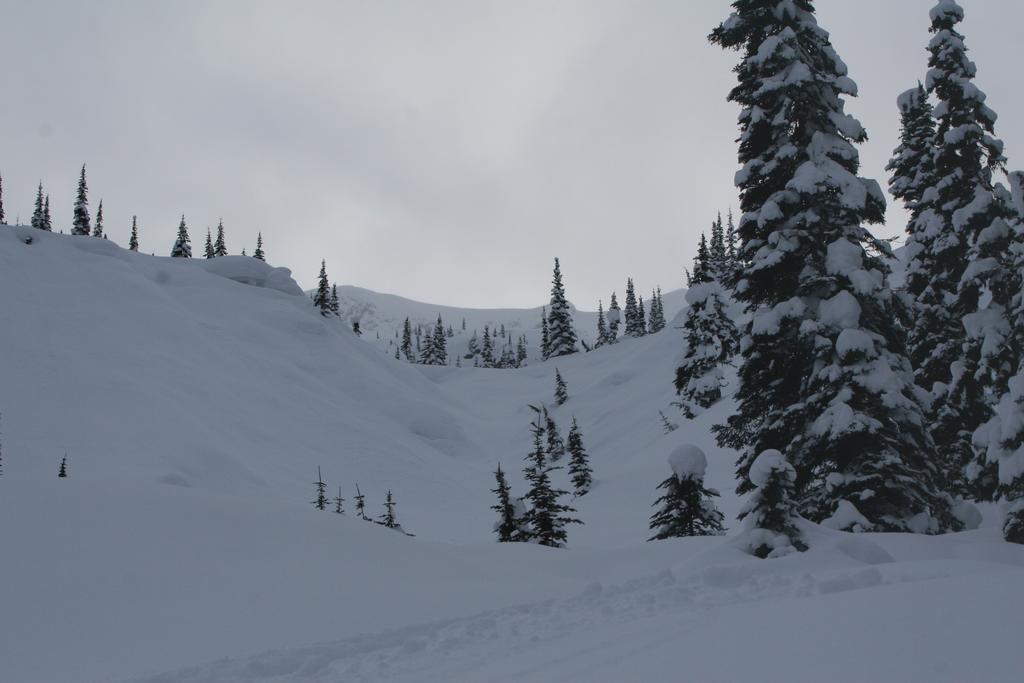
547	517
971	250
220	247
361	504
440	343
406	347
561	393
686	507
614	319
824	324
322	298
3	218
555	444
259	253
320	502
602	326
133	241
641	318
334	304
717	262
561	333
656	323
80	224
62	473
97	229
730	250
545	334
339	503
388	517
521	354
770	511
47	222
37	214
487	352
182	245
711	339
631	312
208	247
579	462
508	527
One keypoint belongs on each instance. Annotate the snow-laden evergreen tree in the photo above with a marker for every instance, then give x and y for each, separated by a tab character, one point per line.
339	503
966	250
97	228
521	352
999	442
561	333
47	221
3	218
133	241
360	504
717	261
824	378
545	334
656	321
509	527
407	341
631	313
487	351
561	392
388	518
80	224
686	508
208	246
182	245
641	317
334	304
614	319
711	339
547	517
602	326
555	444
62	473
911	164
259	253
320	502
435	350
770	513
730	249
220	247
322	298
37	213
580	473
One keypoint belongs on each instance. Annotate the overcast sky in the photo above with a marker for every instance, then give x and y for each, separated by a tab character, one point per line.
444	151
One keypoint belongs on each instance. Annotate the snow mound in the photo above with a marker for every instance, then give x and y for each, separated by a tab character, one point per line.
769	461
251	271
688	462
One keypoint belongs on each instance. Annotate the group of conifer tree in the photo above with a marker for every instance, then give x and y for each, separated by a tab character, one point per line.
859	408
711	336
541	516
321	501
82	224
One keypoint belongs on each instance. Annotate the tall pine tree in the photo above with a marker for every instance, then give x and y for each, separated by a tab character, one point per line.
711	339
97	230
322	298
259	253
37	213
182	245
133	241
547	517
614	319
220	247
561	333
80	223
825	326
208	247
580	472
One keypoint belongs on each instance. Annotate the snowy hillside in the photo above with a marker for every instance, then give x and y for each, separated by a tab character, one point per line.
380	317
195	400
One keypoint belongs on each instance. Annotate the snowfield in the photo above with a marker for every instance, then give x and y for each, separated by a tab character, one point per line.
195	401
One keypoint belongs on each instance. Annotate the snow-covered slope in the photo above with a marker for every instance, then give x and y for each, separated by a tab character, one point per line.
196	399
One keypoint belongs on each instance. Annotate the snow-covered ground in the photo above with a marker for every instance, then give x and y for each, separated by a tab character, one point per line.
196	400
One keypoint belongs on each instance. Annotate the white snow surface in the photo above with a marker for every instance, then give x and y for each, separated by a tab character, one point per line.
195	401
